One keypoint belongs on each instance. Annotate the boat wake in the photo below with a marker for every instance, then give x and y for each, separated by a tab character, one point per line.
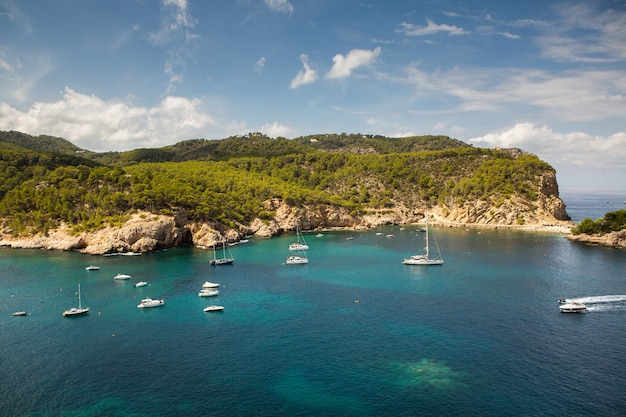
602	302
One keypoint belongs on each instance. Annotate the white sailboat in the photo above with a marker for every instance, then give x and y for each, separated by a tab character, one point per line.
224	260
424	257
76	311
300	244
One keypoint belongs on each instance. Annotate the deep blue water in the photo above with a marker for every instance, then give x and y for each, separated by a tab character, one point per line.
353	333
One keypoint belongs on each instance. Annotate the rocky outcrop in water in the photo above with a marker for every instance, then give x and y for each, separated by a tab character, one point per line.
611	239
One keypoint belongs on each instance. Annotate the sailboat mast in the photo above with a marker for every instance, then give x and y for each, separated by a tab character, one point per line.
426	238
79	305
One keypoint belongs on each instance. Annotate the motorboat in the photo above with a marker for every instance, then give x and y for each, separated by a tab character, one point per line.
572	307
76	311
149	302
213	309
209	292
20	313
208	284
141	284
92	268
122	277
297	260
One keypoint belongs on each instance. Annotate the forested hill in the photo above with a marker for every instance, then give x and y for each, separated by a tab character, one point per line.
253	144
234	182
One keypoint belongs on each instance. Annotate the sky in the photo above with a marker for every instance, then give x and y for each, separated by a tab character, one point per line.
548	77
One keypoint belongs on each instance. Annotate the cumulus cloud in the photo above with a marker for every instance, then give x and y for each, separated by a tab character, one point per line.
98	125
282	6
568	151
305	76
431	28
344	65
275	130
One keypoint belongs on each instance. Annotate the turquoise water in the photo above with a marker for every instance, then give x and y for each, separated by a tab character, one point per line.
353	333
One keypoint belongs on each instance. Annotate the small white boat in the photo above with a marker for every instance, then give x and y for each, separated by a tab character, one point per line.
149	302
20	313
76	311
209	292
208	284
92	268
572	307
297	260
319	235
141	284
213	309
122	276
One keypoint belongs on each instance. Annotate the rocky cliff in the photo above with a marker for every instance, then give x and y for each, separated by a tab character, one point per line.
145	232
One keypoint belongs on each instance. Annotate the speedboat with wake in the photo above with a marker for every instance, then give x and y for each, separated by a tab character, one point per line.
571	307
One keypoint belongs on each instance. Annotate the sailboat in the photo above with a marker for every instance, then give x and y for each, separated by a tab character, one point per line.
300	243
76	311
224	260
424	257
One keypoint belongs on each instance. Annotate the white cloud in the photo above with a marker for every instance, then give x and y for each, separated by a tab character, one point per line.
343	66
282	6
125	36
604	37
510	35
305	76
259	64
94	124
431	28
275	130
573	96
572	152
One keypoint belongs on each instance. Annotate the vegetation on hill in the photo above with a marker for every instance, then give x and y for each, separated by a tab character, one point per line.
228	181
611	222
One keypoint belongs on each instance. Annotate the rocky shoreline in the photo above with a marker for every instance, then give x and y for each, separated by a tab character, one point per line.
612	239
146	232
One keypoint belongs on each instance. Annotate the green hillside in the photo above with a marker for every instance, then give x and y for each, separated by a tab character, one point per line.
228	181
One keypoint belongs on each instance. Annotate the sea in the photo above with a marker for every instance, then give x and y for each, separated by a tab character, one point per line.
353	333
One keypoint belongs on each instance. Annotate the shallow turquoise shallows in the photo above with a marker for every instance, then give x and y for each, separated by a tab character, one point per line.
353	333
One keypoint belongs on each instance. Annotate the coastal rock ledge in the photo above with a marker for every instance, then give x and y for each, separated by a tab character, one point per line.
612	239
145	232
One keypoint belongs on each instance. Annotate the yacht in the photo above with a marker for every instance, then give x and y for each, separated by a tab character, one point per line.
297	260
208	292
149	302
572	307
141	284
122	276
92	268
76	311
213	309
20	313
208	284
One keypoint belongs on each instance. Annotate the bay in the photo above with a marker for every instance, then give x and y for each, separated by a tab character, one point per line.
353	333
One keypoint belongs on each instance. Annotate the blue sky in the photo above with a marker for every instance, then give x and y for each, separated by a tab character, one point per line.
547	77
